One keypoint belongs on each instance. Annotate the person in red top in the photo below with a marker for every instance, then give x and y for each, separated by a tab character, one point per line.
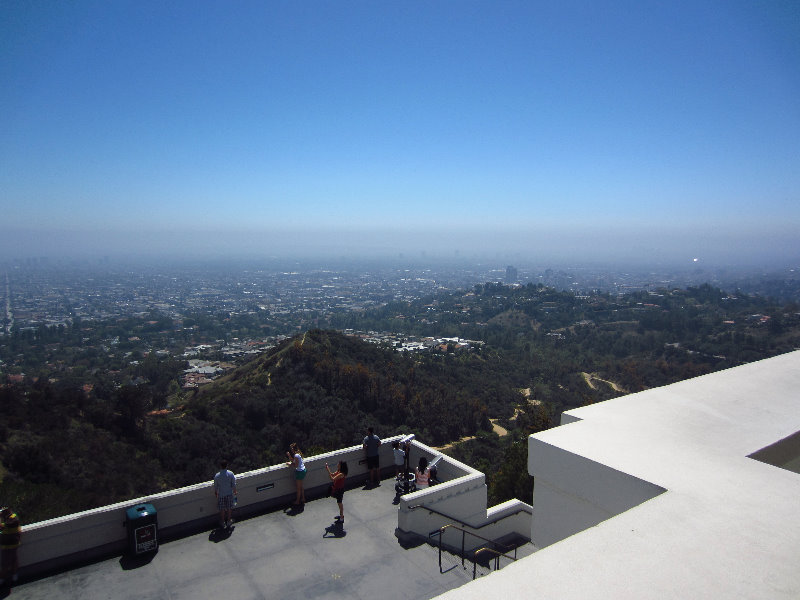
337	490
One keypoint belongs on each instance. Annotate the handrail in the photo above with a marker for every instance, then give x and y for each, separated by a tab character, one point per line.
497	556
449	518
463	553
441	531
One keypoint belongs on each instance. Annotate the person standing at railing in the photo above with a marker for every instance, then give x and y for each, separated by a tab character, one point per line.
371	444
337	487
10	535
423	473
296	460
399	452
224	490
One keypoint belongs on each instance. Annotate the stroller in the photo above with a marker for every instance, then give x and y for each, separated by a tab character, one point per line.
400	483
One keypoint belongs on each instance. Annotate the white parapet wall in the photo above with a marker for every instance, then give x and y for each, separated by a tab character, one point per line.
573	493
460	501
82	536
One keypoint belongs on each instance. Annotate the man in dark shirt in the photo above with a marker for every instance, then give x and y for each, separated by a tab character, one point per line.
371	444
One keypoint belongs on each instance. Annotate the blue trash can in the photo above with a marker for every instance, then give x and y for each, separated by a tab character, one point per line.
142	524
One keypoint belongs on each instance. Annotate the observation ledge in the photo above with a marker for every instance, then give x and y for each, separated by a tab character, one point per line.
384	548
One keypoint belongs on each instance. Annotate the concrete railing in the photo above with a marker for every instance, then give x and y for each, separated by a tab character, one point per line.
461	499
101	532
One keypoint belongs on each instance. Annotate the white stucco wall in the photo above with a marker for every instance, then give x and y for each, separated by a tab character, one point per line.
461	500
573	493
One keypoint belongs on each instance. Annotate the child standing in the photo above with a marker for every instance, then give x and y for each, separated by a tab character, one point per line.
337	492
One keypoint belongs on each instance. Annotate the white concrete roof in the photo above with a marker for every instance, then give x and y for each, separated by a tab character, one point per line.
728	526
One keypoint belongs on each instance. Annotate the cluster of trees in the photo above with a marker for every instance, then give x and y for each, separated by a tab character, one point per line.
322	388
691	331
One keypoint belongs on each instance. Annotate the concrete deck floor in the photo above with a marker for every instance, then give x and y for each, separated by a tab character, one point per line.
277	555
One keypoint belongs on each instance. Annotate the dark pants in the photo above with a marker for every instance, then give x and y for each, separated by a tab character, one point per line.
8	559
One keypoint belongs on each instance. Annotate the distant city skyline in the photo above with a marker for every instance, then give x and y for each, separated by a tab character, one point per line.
619	131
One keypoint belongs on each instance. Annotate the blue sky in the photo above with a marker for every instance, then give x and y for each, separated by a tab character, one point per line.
625	130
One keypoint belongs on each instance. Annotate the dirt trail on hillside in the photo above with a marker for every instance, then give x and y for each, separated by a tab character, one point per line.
451	444
501	431
498	429
590	378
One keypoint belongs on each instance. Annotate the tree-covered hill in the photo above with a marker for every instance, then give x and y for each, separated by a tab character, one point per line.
323	389
320	388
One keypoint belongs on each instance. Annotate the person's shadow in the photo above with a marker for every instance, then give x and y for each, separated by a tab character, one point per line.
294	510
335	530
220	534
129	562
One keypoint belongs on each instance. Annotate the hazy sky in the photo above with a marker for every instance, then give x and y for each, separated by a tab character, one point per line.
639	130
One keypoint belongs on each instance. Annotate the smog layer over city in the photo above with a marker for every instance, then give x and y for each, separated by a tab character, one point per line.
584	133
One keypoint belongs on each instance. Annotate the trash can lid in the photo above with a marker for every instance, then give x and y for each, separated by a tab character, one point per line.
140	510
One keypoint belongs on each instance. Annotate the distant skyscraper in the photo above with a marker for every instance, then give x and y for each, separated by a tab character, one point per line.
511	274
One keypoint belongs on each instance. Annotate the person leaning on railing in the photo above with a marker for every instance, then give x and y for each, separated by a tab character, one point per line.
296	460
